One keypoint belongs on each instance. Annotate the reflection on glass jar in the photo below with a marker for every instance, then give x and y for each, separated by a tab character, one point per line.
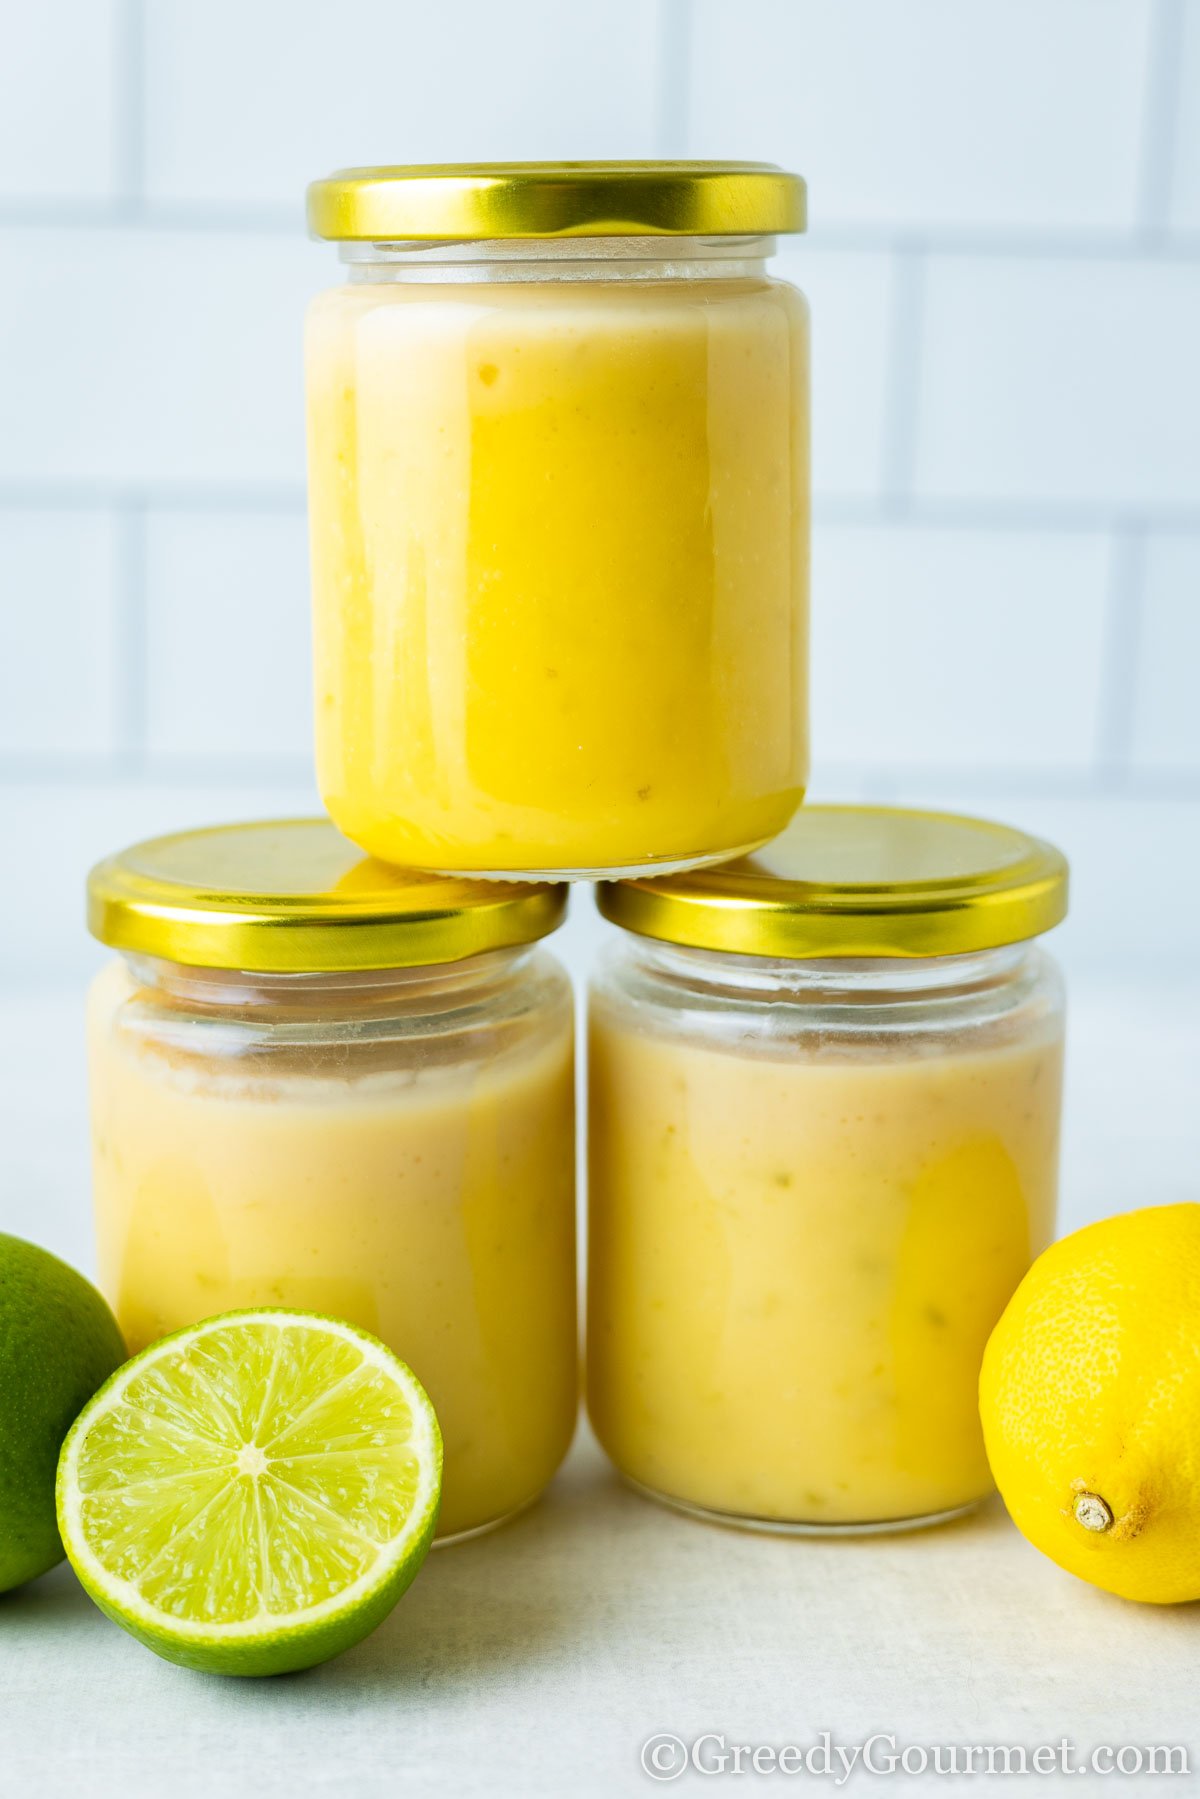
815	1180
392	1145
559	512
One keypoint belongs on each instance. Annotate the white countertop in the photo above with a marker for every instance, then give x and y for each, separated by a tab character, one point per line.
540	1659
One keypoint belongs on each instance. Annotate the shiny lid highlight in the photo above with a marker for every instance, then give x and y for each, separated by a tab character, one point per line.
293	896
556	199
858	881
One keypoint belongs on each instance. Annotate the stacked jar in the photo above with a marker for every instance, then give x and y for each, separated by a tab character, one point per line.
558	495
322	1083
825	1091
558	491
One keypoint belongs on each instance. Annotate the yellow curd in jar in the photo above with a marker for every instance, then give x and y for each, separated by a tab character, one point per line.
431	1205
559	548
795	1263
326	1083
824	1085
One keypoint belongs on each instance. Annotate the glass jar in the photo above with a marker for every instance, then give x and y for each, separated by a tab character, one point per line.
825	1092
322	1084
558	501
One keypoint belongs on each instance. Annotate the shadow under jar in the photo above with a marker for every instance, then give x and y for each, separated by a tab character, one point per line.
825	1087
558	501
320	1083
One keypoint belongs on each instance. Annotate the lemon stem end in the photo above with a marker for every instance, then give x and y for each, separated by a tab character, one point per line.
1092	1512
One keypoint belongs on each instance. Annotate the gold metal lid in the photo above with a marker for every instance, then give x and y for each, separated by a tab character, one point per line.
292	896
556	199
858	881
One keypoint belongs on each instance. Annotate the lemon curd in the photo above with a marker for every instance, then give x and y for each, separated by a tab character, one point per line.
796	1264
816	1180
558	499
389	1146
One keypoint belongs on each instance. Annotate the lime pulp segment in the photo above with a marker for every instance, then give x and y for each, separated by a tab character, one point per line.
262	1478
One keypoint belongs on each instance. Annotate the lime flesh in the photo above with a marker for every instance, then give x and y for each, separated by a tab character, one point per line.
253	1494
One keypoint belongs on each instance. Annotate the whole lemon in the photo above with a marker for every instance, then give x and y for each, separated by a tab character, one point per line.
58	1343
1090	1400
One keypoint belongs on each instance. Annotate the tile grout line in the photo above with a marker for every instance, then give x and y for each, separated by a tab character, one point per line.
129	112
134	212
1156	247
863	510
1118	677
1043	781
1038	780
1161	99
925	511
674	64
70	495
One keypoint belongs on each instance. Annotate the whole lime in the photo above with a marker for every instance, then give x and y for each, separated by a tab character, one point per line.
58	1343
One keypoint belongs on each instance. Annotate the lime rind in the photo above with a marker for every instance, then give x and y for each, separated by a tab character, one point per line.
164	1516
59	1342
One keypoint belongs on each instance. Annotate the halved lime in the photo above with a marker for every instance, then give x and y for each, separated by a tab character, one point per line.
253	1494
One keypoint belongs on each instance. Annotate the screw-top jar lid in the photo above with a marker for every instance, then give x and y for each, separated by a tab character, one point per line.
292	896
858	881
556	199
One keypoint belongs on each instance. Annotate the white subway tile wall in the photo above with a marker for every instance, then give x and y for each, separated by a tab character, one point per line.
138	357
321	84
59	91
226	594
924	687
1166	700
1004	270
1049	381
1024	114
1183	176
851	294
61	636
